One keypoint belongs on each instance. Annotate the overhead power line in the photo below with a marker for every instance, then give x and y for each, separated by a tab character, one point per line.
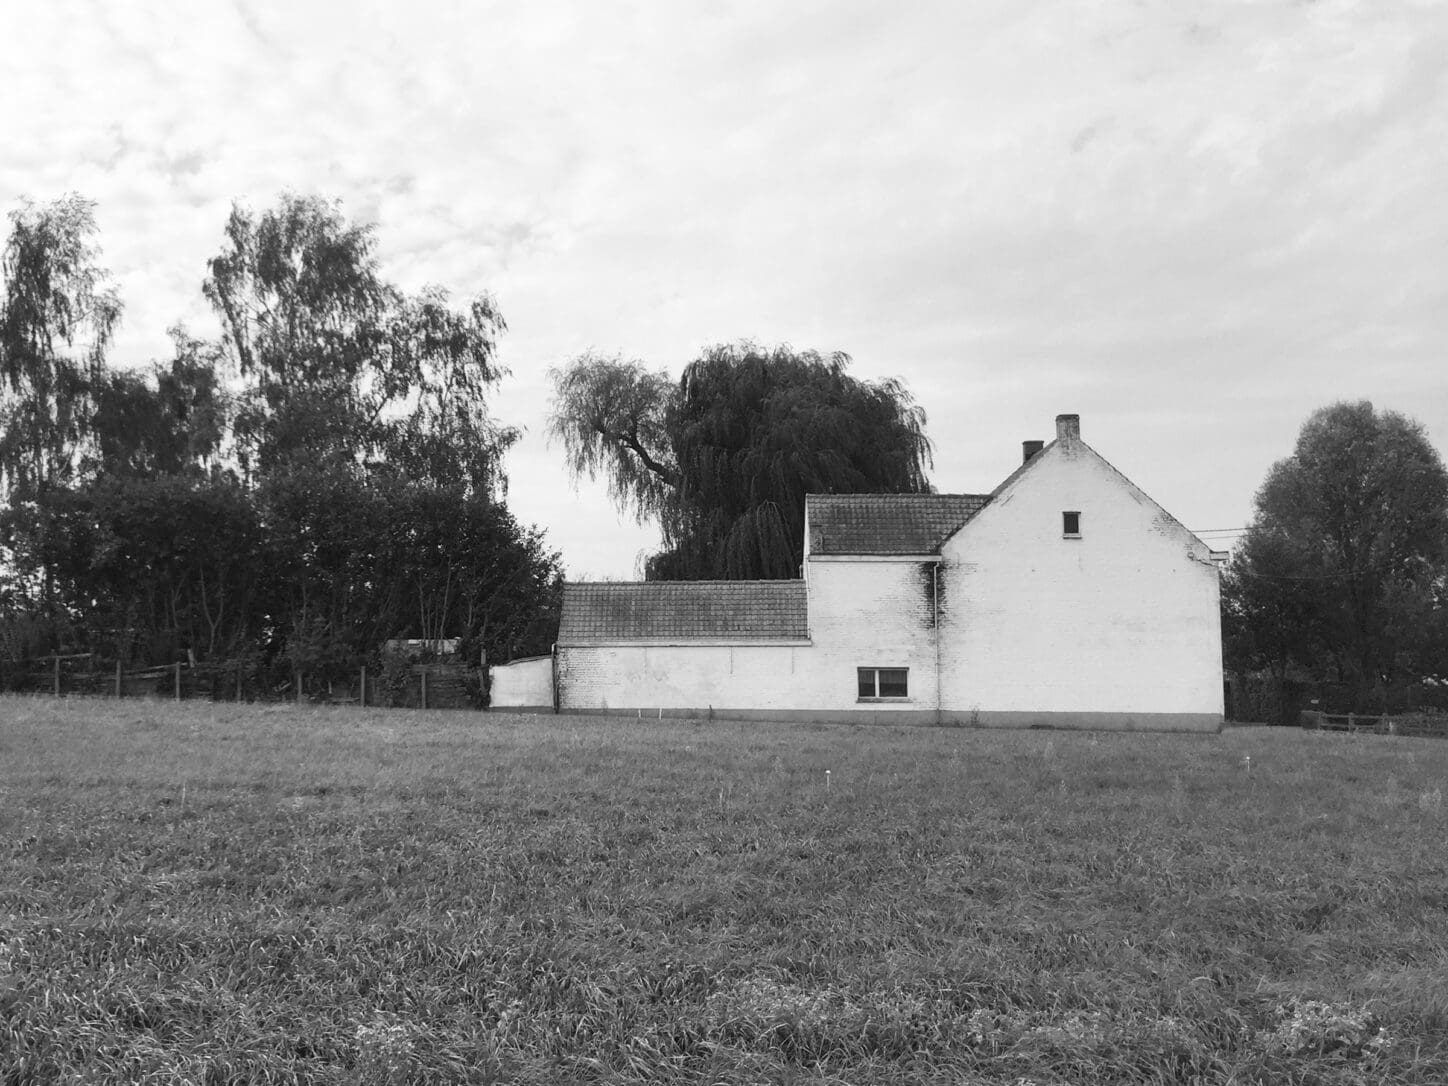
1292	577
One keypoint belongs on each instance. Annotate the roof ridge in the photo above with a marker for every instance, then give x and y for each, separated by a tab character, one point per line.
1026	465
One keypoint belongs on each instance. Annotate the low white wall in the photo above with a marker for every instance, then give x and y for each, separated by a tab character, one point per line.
668	677
861	614
522	684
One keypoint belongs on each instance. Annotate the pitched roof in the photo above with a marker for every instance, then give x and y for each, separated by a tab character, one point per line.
1027	465
683	611
887	523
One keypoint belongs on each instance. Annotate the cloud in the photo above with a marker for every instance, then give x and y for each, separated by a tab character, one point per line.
1194	226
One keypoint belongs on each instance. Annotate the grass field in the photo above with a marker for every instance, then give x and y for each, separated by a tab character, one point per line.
270	894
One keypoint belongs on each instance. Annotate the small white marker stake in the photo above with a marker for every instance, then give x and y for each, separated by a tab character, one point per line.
827	780
1247	761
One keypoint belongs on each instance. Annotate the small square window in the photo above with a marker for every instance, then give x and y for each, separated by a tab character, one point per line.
1071	525
879	683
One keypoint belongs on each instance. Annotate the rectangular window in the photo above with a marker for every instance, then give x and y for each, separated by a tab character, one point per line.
1071	525
877	683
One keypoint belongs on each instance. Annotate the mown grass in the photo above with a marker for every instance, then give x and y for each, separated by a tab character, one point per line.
272	894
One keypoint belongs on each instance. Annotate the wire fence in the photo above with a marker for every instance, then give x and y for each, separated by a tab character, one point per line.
392	685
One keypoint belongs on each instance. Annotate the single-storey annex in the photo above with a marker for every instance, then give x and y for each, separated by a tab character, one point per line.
1064	598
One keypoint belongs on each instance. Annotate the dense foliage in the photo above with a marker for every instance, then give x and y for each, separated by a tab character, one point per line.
57	315
340	366
1343	573
723	458
324	478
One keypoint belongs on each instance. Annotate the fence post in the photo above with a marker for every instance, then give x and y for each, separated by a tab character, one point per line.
297	676
178	681
118	677
424	686
57	674
362	699
238	683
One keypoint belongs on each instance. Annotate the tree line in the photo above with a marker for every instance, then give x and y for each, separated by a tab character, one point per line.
326	474
322	477
1342	576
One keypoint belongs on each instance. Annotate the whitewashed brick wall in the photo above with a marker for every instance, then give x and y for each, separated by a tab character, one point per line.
521	684
1119	628
672	677
868	613
1124	620
862	614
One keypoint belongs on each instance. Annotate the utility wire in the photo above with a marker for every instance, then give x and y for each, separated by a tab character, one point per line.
1290	577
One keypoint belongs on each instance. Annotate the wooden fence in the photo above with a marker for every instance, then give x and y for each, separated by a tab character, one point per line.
1420	725
414	686
1265	699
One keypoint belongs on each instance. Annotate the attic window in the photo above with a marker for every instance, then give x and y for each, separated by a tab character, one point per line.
883	683
1071	525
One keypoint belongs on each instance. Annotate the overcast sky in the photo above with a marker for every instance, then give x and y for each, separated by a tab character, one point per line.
1192	224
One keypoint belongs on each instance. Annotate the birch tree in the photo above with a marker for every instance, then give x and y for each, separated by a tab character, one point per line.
57	316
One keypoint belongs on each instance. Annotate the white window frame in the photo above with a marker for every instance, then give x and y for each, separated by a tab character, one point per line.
1070	513
874	673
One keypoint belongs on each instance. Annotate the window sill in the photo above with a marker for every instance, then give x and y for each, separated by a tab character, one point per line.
860	701
1070	535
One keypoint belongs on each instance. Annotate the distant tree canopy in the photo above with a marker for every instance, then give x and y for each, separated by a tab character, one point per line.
325	477
1343	572
338	365
57	316
171	420
723	458
312	572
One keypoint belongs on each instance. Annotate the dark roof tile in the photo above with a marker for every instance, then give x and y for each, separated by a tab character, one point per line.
683	611
844	524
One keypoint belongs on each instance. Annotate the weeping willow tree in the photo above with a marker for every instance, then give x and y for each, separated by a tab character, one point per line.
723	458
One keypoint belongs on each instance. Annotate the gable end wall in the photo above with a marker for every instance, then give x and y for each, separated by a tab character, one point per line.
1124	621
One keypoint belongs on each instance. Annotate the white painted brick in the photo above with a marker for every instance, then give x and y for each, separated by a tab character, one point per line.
521	683
1122	621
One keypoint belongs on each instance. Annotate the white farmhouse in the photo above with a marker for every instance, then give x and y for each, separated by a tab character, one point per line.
1064	598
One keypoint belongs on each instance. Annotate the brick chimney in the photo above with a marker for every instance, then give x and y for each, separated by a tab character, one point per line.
1068	428
1029	449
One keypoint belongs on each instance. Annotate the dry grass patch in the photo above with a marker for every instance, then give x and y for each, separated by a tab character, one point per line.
253	894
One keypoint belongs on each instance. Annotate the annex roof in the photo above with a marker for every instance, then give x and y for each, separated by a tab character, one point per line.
683	611
845	524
